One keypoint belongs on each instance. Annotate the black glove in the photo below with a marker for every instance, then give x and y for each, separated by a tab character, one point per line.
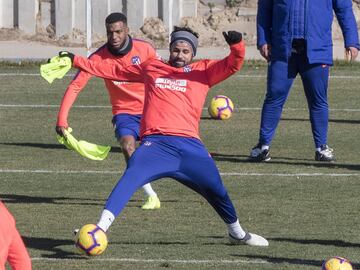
232	37
60	130
67	54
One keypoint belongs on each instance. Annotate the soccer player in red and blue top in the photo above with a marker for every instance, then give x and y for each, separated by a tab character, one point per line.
175	93
127	98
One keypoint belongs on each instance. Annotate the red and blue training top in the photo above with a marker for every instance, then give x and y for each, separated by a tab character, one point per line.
174	97
125	96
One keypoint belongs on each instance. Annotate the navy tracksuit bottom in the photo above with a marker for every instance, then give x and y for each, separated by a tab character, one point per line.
279	81
183	159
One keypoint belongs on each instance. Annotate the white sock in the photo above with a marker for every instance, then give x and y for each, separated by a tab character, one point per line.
106	219
148	190
235	230
318	149
265	147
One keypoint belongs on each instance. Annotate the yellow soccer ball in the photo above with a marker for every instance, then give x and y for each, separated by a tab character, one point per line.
221	107
91	240
337	263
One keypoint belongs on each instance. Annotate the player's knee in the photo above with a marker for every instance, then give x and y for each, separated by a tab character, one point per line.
128	148
220	193
276	94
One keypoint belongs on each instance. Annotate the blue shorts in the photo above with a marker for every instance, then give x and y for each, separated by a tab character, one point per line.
127	124
184	159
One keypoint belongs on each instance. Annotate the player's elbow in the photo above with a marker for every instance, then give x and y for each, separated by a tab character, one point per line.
236	66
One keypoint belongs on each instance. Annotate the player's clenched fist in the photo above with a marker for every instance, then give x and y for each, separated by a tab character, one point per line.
60	130
232	37
67	54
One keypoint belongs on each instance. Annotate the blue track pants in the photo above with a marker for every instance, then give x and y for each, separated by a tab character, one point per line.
183	159
280	79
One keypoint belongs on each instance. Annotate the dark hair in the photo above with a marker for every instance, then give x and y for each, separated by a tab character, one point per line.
116	17
187	29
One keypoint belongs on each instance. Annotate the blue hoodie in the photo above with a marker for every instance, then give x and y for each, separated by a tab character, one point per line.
273	27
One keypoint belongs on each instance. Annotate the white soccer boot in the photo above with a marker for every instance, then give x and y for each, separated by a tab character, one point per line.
250	239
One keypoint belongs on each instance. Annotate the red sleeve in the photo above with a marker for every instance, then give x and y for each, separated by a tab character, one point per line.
12	248
71	93
109	69
219	70
18	257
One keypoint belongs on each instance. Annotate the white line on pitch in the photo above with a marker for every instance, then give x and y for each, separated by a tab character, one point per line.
238	76
291	174
293	109
29	74
107	106
50	106
158	260
21	74
221	173
264	76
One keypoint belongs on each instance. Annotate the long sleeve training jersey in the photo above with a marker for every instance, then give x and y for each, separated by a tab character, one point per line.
174	97
125	96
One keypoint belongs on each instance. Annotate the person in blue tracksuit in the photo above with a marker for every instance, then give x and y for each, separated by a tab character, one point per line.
294	36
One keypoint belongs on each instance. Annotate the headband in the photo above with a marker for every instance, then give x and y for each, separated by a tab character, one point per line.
184	36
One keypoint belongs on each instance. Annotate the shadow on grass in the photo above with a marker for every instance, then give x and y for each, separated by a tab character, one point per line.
286	161
160	243
230	158
339	121
13	198
207	118
282	260
213	237
336	243
17	199
293	261
114	149
51	245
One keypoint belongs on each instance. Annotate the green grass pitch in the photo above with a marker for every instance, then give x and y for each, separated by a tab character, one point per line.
309	211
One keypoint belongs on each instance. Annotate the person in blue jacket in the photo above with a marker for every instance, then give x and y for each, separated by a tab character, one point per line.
294	36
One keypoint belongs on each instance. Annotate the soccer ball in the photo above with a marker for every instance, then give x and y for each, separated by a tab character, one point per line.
221	107
91	240
337	263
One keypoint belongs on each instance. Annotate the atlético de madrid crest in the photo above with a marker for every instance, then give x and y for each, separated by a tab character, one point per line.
187	69
136	60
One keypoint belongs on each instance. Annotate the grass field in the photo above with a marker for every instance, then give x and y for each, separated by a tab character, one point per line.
309	211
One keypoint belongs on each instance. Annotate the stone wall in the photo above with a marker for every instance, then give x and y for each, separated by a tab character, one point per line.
63	22
68	17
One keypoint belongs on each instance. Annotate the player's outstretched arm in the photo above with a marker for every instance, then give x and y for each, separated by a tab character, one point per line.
219	70
111	70
74	88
